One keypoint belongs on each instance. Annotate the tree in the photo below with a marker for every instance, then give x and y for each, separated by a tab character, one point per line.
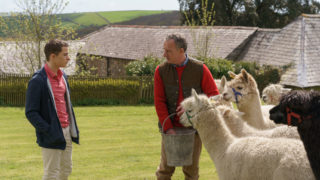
261	13
225	10
204	17
33	26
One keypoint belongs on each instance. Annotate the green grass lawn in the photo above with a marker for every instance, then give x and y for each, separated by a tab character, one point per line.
117	143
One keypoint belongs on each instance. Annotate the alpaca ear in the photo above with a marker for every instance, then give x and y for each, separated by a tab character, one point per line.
194	92
195	95
223	81
245	75
231	74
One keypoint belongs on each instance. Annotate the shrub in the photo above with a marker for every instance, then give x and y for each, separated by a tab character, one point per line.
218	67
263	74
144	67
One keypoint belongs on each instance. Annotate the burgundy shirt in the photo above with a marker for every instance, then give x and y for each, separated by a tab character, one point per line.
208	86
59	89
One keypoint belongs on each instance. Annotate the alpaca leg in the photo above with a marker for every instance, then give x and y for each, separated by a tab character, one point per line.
164	172
192	172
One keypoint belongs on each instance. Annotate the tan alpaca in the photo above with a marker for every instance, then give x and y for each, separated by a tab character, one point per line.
240	128
247	158
249	102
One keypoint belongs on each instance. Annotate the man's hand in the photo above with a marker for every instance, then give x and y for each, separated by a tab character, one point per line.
170	131
179	110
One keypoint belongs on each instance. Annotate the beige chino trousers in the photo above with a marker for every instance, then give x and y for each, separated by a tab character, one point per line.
57	163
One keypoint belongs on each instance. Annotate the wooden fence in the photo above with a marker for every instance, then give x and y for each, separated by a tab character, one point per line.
84	90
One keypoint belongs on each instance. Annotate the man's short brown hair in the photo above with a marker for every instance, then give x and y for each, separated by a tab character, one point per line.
179	41
54	46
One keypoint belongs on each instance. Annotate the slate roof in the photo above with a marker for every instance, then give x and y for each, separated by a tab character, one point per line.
11	63
297	43
135	42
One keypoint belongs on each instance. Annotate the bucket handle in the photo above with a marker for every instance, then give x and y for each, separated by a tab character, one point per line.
164	122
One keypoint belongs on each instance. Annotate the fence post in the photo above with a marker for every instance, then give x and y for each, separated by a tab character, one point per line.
140	88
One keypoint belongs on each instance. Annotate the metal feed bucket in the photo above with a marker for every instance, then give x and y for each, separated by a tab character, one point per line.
178	147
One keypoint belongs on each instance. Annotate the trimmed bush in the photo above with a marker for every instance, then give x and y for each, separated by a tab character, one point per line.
84	91
98	91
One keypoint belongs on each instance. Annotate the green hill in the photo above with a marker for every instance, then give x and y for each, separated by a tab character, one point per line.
104	18
87	22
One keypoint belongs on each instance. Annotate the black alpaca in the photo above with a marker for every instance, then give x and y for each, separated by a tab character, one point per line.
302	109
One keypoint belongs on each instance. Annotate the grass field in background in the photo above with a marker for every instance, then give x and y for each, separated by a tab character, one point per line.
116	143
99	18
120	16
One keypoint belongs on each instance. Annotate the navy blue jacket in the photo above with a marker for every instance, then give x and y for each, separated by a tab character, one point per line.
41	112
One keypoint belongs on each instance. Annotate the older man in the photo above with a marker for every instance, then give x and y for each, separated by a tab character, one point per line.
173	81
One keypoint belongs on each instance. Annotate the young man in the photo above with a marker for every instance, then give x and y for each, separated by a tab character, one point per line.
49	110
173	81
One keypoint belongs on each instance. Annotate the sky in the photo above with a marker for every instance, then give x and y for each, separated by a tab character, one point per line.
103	5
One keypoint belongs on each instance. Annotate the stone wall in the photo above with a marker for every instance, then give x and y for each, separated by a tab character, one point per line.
102	66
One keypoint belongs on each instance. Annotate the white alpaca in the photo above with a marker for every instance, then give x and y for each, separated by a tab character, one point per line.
247	158
240	128
272	93
249	100
219	98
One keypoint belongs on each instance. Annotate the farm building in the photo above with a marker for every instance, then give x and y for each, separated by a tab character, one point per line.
113	47
298	44
118	45
13	57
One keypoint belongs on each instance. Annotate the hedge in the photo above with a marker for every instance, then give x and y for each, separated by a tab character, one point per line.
84	91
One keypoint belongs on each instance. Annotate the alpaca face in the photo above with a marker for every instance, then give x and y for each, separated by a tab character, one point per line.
296	107
267	94
271	98
272	93
278	115
241	85
187	119
192	106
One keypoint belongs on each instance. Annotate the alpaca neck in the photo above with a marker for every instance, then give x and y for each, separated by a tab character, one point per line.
310	138
239	127
214	134
251	106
